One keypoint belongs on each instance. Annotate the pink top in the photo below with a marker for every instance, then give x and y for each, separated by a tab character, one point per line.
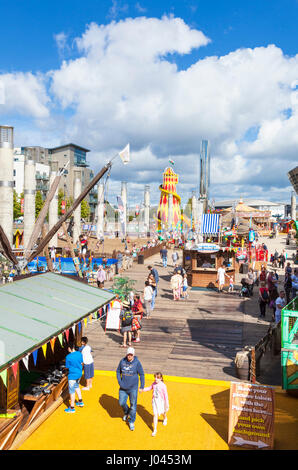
162	390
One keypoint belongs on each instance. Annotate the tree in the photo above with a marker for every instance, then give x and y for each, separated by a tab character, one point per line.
122	286
16	205
85	209
39	202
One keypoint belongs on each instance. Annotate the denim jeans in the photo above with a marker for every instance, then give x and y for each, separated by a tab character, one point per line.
133	397
165	262
153	298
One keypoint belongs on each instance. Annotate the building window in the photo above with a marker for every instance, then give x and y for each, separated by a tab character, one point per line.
79	157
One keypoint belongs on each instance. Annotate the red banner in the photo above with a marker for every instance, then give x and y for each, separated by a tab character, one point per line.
63	205
22	206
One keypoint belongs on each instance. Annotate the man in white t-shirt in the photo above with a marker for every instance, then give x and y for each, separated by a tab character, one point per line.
148	294
221	274
88	362
280	304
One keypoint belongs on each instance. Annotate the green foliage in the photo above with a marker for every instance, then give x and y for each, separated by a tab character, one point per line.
122	286
16	205
39	202
85	209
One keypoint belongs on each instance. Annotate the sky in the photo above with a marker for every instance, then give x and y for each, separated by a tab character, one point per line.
161	76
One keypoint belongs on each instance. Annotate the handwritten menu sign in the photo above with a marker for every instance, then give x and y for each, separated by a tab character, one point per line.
251	416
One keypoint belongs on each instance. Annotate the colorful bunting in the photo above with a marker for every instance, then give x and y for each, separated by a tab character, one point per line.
44	349
3	376
90	318
34	354
66	334
60	337
74	329
15	369
85	321
79	326
52	341
26	361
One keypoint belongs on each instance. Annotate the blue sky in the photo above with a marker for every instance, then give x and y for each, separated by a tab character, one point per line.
29	27
234	72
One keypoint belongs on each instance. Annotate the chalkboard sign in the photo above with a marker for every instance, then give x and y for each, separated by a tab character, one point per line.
251	416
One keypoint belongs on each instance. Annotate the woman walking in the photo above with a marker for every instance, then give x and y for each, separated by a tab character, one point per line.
263	299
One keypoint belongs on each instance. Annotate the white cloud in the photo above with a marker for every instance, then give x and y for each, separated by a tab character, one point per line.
125	86
25	94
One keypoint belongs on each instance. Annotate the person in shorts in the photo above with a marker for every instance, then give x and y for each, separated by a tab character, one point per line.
88	362
74	364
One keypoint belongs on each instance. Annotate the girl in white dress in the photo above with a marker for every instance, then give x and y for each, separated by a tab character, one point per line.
160	400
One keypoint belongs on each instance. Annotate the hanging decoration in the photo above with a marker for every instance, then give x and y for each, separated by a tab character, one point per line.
44	349
3	376
52	342
34	354
26	361
14	368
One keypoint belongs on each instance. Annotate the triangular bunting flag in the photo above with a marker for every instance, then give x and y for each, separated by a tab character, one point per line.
80	326
66	334
26	361
90	318
52	341
74	329
34	354
15	369
3	376
60	337
85	321
44	349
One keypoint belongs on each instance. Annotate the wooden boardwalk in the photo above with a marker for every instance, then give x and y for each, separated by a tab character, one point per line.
198	337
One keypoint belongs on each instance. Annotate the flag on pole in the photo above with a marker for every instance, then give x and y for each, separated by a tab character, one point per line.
172	162
125	155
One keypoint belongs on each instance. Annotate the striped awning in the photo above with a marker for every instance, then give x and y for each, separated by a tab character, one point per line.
210	224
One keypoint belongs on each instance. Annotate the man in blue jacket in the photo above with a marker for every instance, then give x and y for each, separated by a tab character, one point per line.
128	372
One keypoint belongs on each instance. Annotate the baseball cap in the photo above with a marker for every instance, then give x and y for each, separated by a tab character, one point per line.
130	351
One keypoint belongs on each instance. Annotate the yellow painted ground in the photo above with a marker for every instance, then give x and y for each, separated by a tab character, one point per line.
197	420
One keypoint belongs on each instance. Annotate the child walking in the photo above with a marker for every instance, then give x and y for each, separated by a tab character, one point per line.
185	287
85	349
231	286
160	400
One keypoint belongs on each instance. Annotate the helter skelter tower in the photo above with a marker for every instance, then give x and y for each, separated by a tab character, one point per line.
169	213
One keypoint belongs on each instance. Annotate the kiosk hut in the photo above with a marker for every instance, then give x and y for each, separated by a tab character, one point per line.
39	315
202	262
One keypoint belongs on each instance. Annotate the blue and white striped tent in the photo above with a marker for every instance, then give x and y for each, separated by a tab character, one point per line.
210	224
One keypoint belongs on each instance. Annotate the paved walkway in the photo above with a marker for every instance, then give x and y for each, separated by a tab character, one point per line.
189	342
197	420
198	337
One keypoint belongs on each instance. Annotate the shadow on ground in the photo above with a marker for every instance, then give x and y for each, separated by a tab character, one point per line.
111	405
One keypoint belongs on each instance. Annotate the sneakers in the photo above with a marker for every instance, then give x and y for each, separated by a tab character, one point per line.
125	417
85	388
165	421
136	340
131	426
80	403
154	433
70	410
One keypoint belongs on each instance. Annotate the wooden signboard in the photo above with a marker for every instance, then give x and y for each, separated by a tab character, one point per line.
251	416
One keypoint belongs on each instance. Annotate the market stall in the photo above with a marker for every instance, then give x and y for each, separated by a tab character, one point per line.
39	315
202	263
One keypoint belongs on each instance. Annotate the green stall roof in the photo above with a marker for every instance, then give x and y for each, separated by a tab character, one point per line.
35	309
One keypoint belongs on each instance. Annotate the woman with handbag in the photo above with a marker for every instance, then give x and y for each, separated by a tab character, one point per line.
137	310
